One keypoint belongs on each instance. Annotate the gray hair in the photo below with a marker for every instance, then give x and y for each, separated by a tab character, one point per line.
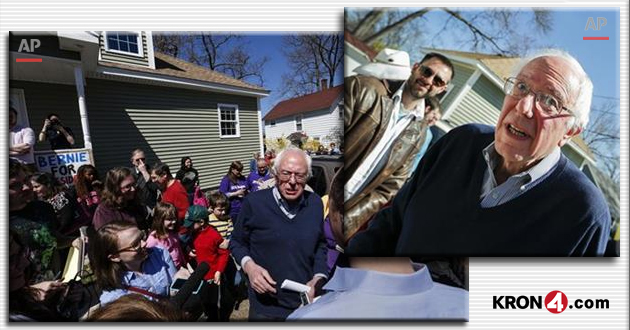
583	87
292	149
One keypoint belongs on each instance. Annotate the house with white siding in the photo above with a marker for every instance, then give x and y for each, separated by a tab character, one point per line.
117	94
318	115
356	53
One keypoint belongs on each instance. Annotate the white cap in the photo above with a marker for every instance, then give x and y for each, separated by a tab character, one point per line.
389	64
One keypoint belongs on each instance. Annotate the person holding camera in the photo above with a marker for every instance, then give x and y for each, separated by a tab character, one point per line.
59	136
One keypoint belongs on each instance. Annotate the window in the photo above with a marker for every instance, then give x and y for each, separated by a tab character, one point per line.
298	123
228	121
273	123
340	109
124	42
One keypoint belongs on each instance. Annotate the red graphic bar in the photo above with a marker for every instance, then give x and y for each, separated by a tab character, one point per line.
594	38
28	60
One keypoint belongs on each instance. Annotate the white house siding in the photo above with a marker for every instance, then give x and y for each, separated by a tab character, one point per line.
462	73
322	124
352	59
284	126
481	105
319	124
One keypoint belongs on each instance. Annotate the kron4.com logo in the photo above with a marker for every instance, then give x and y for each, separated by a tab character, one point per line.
555	302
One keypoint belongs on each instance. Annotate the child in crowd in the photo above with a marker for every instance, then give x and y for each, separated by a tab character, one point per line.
221	221
164	234
206	242
219	215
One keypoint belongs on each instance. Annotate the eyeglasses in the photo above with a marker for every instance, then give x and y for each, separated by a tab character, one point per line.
139	159
548	104
128	187
286	176
137	246
427	72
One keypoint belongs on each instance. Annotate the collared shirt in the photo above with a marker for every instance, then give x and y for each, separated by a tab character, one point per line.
157	275
377	158
366	294
493	194
288	210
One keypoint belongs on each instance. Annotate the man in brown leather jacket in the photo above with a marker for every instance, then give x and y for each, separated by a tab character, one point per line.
370	104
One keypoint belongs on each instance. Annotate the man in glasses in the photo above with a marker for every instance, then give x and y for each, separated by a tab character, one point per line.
278	236
384	130
504	191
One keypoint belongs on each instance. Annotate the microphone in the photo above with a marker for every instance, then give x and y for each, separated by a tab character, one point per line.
179	299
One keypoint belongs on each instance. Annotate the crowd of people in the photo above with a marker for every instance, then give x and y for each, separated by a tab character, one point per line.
257	233
147	228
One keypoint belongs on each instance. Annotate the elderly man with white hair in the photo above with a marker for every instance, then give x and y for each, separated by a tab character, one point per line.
279	235
504	191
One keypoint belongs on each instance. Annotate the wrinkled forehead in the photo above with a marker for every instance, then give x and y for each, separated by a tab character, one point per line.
553	75
293	161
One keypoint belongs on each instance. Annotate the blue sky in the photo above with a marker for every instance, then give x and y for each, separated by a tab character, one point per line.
599	58
271	45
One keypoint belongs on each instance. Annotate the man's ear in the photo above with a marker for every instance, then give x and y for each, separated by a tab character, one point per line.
573	131
114	257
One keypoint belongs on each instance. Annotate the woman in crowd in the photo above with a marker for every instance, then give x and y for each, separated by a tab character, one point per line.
119	200
50	190
234	186
188	176
123	264
87	192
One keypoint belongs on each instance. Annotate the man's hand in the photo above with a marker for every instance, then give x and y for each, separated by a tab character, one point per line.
217	278
48	288
312	283
224	244
259	278
46	124
182	273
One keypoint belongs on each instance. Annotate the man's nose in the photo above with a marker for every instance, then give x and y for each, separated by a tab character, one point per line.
525	105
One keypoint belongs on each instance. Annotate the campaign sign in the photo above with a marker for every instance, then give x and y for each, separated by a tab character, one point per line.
63	164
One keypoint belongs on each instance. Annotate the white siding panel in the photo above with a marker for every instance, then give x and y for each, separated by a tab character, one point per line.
283	127
321	124
481	105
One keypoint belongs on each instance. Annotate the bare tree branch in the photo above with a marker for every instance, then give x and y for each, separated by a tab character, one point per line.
396	25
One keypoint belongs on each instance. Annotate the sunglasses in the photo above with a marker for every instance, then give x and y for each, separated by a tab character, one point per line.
427	72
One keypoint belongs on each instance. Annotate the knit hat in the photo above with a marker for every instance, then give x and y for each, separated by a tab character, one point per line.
389	64
195	213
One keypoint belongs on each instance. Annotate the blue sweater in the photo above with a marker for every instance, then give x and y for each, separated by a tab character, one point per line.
438	211
288	249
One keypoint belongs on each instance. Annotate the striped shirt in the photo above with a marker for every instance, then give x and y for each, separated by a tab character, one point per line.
224	227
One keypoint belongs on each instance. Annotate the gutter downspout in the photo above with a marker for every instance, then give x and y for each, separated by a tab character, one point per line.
85	126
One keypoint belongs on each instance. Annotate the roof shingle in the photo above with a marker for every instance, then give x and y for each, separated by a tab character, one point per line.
311	102
171	66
